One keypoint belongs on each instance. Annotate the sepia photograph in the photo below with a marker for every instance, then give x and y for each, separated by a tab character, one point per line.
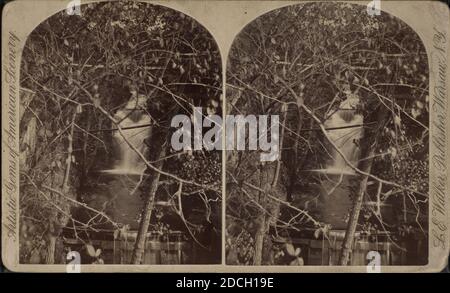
350	93
99	179
225	136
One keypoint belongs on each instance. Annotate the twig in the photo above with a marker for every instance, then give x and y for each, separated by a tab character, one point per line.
277	199
180	213
69	199
337	184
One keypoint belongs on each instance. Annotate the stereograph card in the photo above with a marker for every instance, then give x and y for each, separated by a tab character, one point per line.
225	136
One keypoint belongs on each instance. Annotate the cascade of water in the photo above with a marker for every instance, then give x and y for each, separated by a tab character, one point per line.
133	114
345	137
335	200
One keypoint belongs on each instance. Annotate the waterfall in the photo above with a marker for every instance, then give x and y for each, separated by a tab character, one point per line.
133	114
344	136
336	183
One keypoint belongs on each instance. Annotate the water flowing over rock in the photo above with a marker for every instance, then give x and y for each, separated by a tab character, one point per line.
345	136
130	118
345	130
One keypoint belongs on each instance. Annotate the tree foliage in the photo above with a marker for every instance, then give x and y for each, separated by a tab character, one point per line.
79	66
320	51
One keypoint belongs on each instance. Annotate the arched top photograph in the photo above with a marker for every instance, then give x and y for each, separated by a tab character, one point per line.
99	87
351	93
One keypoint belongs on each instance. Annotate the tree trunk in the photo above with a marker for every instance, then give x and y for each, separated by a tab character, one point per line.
293	176
354	215
263	219
260	223
139	246
366	166
55	225
51	250
259	240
